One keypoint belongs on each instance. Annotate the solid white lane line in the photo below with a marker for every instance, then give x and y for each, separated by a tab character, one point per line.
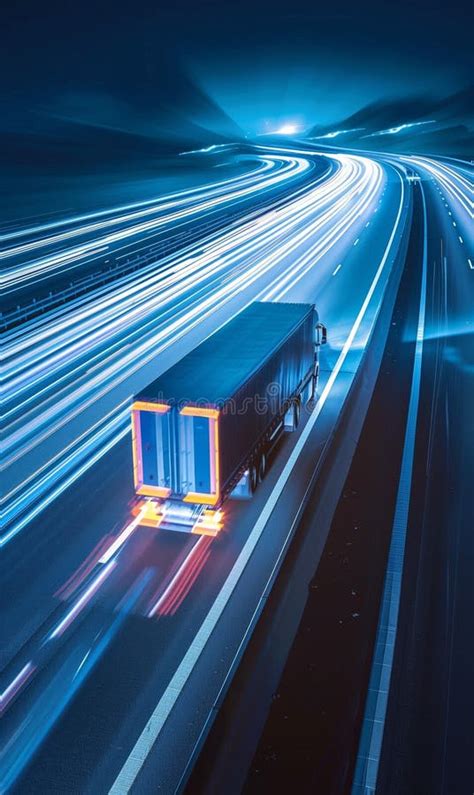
154	725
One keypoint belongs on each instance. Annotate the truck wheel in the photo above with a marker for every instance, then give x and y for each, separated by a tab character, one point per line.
262	467
296	414
316	379
314	384
253	477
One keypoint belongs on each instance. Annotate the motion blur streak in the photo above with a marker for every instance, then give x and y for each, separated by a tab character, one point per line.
163	202
82	572
120	540
46	484
180	583
12	276
82	601
20	679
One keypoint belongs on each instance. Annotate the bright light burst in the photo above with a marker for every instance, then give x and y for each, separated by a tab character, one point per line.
288	129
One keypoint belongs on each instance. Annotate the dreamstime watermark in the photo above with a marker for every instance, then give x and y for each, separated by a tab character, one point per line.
274	401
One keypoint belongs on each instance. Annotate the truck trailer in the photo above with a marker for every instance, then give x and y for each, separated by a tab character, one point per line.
203	431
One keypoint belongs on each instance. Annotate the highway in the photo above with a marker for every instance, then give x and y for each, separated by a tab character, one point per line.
118	638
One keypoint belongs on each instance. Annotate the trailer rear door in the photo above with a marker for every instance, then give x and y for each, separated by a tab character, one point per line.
176	454
152	448
199	455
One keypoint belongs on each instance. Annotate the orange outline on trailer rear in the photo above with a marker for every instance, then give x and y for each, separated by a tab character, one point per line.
191	411
140	487
145	405
212	415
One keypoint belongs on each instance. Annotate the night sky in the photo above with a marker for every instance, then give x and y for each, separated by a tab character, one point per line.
151	67
265	61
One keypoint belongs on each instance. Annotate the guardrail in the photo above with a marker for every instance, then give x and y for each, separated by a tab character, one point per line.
36	307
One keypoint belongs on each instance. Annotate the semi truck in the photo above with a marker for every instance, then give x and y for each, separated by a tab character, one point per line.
204	430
